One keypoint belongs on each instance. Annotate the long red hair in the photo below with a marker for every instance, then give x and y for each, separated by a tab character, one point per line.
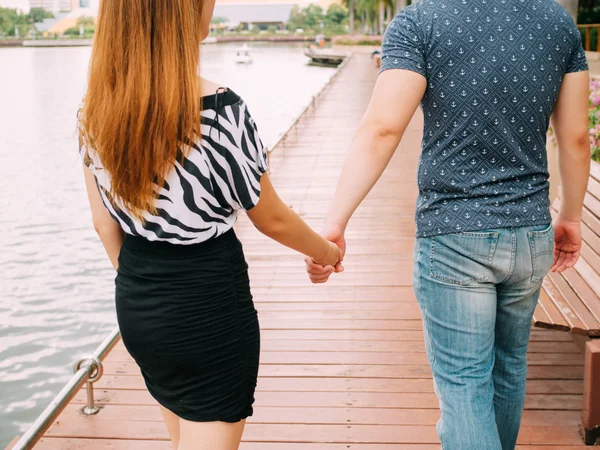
143	99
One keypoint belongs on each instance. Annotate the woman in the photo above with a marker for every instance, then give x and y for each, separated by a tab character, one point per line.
167	171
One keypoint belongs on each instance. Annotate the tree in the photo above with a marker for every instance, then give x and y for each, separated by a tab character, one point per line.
13	23
309	18
336	14
37	15
297	19
351	8
314	16
86	22
219	20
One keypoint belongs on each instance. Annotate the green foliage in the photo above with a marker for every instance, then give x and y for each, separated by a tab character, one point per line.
589	15
272	29
73	31
86	22
359	40
337	14
314	19
12	20
39	14
296	19
219	20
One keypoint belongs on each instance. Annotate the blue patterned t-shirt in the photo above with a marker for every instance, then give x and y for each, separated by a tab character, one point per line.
494	69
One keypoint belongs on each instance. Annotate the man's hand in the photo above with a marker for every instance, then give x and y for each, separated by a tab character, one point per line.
320	274
567	244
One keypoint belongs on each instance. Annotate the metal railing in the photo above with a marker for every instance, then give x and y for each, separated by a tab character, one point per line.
87	371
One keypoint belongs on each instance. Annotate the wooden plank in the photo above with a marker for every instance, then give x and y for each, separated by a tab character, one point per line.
594	189
330	294
588	288
540	318
271	384
359	346
563	297
337	400
577	293
347	335
319	415
595	171
548	314
368	371
589	255
282	433
341	324
314	415
336	308
534	372
359	358
84	444
409	313
588	39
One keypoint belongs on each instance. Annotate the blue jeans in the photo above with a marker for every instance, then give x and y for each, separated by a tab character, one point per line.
477	293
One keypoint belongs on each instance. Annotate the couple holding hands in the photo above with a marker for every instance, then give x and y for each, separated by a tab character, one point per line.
170	159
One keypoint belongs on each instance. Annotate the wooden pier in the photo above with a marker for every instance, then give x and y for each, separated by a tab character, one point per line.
343	365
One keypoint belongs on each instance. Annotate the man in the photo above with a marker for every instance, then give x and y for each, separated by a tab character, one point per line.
489	74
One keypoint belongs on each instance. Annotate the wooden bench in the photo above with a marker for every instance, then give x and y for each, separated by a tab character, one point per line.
571	302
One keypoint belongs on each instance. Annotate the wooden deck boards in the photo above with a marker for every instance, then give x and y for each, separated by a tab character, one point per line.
343	365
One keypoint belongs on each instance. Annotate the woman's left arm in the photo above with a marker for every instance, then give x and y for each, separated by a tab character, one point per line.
109	231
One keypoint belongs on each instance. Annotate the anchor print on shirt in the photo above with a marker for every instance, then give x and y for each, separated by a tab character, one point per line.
494	70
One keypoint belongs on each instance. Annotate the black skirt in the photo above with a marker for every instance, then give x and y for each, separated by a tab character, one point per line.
186	316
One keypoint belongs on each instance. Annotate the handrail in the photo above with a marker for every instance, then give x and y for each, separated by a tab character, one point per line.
86	371
587	43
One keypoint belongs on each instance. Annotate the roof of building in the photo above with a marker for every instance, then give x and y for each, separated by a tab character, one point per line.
239	13
47	24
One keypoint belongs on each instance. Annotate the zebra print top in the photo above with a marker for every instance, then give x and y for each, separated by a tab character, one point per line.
202	194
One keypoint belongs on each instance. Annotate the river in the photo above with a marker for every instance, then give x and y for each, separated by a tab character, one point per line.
56	284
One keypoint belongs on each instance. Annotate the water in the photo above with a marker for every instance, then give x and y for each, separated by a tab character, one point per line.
56	284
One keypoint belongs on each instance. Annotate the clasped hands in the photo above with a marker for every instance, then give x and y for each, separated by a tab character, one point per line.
320	271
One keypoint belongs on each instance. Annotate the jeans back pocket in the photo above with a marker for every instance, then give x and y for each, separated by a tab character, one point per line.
464	258
541	244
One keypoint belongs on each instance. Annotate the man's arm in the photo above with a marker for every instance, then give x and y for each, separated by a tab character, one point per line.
570	123
395	99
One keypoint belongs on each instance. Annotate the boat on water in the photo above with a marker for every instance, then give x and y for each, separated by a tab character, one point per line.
243	55
322	57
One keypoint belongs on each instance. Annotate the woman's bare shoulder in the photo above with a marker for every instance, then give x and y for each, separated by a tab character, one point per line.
208	87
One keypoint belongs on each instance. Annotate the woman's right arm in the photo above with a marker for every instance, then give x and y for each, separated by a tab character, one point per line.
109	231
273	218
